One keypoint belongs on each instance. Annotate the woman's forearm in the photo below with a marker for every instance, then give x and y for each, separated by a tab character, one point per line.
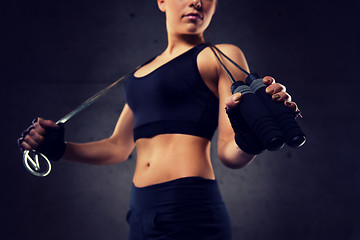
101	152
233	157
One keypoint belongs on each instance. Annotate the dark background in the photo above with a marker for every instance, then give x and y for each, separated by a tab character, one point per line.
55	54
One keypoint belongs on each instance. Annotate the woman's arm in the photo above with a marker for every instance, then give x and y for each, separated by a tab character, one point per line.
114	149
228	151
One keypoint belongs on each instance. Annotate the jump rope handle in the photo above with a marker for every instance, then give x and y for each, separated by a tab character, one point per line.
282	116
258	118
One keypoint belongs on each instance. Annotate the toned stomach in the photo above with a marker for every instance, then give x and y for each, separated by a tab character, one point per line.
170	156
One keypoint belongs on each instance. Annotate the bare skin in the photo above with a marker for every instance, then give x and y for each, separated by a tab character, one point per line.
170	156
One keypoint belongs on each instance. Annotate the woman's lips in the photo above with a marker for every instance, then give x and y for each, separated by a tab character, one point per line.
193	16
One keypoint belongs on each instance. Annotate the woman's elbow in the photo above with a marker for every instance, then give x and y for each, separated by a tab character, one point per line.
120	152
119	158
235	164
235	159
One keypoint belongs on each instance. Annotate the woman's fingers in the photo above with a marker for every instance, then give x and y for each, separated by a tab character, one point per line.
34	135
275	88
281	97
268	80
233	100
40	130
29	142
47	123
279	94
292	106
23	145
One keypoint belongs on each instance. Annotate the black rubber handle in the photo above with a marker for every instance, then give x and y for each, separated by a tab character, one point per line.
258	117
283	116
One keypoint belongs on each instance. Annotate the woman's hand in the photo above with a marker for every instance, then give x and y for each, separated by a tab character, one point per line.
277	92
244	136
44	136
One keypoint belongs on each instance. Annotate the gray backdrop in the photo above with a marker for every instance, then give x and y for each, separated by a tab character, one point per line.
55	54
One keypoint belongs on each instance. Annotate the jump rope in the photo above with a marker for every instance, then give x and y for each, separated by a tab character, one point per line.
272	122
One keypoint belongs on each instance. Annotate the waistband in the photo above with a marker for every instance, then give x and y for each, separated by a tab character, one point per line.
180	192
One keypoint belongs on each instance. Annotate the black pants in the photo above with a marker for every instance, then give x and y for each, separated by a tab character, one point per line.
183	209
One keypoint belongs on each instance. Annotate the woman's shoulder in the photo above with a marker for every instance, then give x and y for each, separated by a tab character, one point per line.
225	46
210	67
230	50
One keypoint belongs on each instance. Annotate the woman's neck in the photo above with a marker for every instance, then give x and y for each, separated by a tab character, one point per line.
179	43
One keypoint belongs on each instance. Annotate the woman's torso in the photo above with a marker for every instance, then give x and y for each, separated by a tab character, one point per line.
166	157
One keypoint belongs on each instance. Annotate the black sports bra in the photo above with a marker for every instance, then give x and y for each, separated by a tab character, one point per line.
173	99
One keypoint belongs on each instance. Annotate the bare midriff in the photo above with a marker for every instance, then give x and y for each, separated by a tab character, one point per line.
167	157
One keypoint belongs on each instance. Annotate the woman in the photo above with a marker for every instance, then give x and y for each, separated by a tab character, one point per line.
175	102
